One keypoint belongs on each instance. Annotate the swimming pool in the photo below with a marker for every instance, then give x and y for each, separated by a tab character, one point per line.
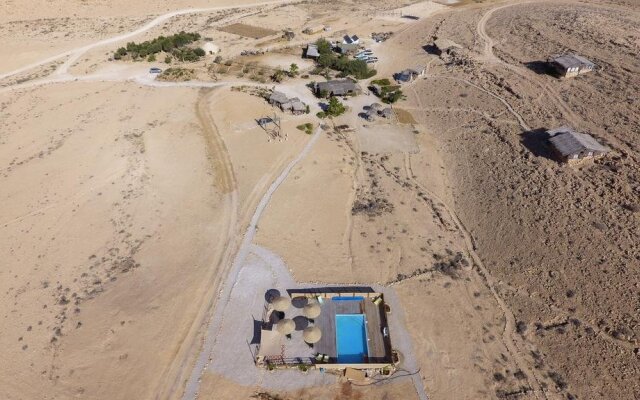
351	338
348	298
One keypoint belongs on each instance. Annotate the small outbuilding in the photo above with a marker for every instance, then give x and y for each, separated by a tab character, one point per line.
570	65
278	98
310	30
210	48
386	112
569	145
294	105
312	51
342	87
346	48
409	74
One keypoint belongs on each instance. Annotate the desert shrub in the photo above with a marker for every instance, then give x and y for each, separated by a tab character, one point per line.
151	58
167	60
381	82
306	128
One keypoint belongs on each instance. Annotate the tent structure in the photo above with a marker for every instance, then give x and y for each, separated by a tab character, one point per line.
312	334
311	310
281	303
285	326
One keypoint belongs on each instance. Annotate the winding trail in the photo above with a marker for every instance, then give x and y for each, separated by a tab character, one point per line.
215	325
489	56
509	332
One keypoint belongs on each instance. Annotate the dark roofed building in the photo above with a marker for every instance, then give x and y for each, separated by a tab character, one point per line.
570	65
569	145
341	87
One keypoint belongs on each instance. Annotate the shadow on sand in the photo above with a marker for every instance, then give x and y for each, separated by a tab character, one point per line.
537	142
542	68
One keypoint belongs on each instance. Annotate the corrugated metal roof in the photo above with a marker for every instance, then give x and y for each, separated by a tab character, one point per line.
569	142
312	51
567	61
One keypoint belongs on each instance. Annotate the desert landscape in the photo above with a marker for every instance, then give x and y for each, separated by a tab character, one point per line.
170	170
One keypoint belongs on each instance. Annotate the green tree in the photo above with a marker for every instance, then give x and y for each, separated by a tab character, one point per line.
167	60
335	107
324	47
293	70
151	58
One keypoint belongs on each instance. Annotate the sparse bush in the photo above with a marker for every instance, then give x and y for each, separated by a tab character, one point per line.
167	60
381	82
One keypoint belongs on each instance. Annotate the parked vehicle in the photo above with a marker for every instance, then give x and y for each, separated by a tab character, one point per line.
155	70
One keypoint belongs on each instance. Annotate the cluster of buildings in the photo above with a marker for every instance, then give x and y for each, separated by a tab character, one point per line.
377	110
294	105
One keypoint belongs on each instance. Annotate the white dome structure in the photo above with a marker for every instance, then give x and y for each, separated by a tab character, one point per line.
210	48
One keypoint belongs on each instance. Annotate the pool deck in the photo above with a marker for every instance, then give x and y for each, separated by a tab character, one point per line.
378	348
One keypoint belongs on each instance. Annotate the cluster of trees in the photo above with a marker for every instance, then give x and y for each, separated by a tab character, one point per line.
279	74
347	66
175	45
387	92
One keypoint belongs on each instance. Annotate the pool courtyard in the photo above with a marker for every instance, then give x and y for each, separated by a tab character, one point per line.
351	330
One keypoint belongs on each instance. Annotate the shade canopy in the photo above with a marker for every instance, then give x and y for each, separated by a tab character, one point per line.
312	334
311	310
285	326
281	303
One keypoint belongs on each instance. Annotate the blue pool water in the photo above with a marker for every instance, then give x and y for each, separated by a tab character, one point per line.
351	338
351	298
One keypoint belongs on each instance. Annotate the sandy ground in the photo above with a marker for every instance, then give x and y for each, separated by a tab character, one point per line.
127	200
94	231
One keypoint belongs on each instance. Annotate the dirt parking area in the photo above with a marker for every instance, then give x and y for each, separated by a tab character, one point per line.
254	32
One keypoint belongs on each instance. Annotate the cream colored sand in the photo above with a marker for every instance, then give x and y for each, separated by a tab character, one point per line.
119	203
114	194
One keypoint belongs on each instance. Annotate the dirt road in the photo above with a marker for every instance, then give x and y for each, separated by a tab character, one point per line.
76	53
214	327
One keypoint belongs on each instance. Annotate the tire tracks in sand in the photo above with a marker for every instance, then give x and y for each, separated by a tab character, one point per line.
176	373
